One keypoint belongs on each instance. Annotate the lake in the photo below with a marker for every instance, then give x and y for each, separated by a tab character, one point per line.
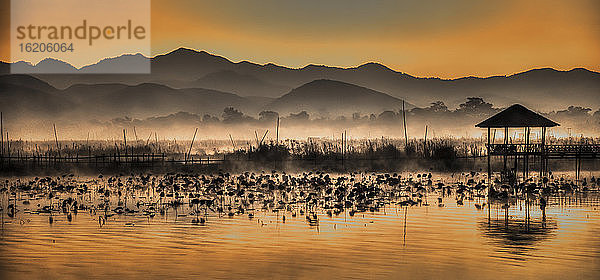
441	233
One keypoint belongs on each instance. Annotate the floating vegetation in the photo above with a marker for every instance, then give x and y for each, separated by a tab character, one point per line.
195	198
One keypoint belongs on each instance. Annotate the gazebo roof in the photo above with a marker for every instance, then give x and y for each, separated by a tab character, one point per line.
517	116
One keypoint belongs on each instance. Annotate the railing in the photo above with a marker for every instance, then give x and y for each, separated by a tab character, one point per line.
548	150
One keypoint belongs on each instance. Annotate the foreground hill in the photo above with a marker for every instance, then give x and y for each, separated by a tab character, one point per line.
27	96
334	97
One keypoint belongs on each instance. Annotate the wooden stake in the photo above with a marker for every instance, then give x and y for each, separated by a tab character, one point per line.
55	139
125	143
232	143
277	141
263	138
7	146
425	140
345	141
2	134
256	136
404	120
192	144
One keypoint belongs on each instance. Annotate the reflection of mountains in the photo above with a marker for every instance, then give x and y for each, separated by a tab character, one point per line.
517	235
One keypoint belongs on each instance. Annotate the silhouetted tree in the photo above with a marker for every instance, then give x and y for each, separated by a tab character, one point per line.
232	115
302	116
387	116
476	106
122	121
209	119
575	111
267	116
437	107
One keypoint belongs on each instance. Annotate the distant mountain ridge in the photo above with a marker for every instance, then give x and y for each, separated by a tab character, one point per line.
184	67
231	81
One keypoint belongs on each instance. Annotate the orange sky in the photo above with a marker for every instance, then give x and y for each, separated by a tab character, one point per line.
424	38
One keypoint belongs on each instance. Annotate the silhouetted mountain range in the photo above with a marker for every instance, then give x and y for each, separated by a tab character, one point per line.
184	68
30	96
25	96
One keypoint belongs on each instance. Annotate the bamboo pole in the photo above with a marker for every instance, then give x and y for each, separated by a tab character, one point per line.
125	144
156	141
191	144
263	138
342	147
277	141
232	143
135	134
8	146
404	121
425	142
345	142
55	139
2	133
256	136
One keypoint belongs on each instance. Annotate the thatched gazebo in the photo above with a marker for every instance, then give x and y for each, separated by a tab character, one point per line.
517	116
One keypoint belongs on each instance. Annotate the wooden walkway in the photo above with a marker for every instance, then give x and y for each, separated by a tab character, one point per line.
573	151
105	160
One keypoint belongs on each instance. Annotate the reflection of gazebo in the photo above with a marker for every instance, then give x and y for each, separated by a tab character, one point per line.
517	236
517	116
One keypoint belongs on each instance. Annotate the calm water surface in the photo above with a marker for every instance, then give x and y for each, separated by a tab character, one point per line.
398	242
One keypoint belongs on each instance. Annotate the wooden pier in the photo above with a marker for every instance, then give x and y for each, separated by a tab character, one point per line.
107	160
519	117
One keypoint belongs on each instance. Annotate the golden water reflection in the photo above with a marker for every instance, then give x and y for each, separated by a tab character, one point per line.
418	242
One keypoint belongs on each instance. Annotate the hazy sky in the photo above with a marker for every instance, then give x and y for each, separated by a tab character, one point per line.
424	38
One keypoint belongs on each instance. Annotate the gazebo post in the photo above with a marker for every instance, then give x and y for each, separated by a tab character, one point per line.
489	166
542	154
516	158
505	150
526	155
